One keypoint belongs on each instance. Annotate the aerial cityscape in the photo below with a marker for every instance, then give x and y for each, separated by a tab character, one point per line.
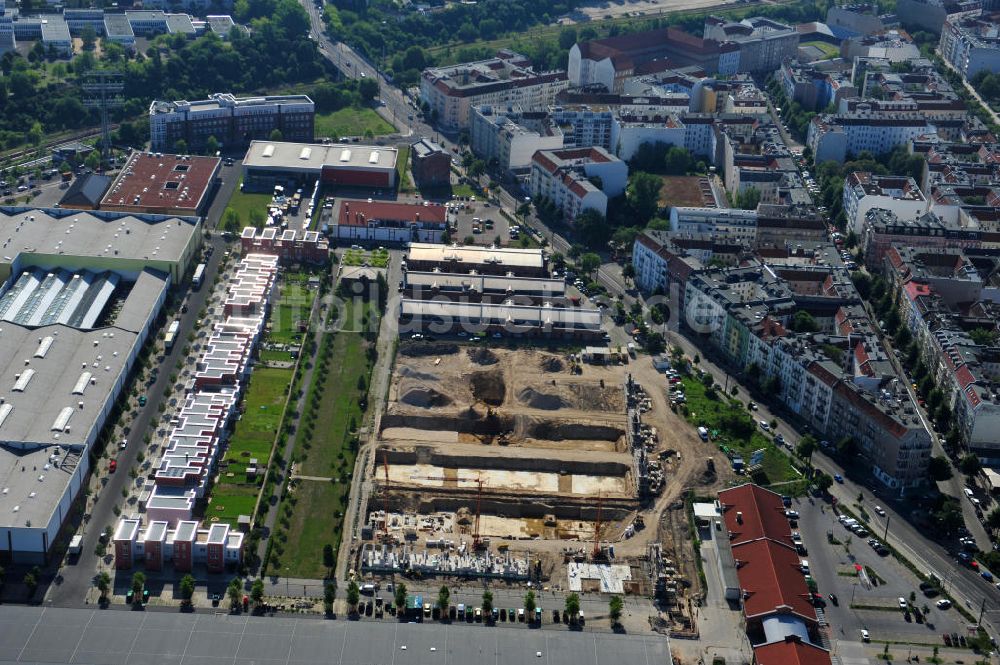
583	332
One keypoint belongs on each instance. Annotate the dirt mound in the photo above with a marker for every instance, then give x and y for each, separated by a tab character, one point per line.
411	373
489	387
552	364
482	356
419	349
425	397
536	400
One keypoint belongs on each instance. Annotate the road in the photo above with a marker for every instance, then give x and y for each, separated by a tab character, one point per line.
961	582
74	581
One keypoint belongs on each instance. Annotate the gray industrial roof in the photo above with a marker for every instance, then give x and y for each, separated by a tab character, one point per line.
117	25
312	157
93	234
180	23
86	191
55	382
158	638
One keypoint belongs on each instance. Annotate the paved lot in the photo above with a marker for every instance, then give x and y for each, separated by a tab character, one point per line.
827	561
462	223
56	635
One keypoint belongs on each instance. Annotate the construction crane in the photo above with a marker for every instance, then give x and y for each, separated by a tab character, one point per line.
385	496
477	541
597	528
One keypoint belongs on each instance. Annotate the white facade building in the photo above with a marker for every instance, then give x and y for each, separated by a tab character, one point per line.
566	177
864	191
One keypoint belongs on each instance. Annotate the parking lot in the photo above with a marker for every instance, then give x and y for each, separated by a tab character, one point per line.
462	220
833	568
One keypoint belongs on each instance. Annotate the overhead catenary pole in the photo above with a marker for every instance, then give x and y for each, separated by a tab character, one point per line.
102	90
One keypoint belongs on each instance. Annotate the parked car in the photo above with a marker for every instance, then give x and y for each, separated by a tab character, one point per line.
865	637
943	604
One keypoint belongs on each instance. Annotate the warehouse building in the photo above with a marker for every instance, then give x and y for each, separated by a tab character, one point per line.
80	294
159	184
270	163
387	222
546	321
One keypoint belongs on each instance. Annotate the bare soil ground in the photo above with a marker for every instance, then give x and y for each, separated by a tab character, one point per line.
681	191
552	413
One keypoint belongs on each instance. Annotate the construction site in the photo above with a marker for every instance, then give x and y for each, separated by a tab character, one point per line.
526	465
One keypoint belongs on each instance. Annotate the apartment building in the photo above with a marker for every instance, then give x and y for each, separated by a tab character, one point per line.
745	314
507	80
971	44
233	121
732	223
431	164
763	43
882	229
577	179
663	260
940	297
857	19
814	89
838	136
897	194
509	137
893	45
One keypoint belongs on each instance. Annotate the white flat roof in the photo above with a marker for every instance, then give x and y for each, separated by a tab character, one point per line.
313	157
508	256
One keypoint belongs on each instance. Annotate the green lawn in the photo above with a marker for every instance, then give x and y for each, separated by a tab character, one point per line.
323	449
316	521
243	203
351	121
738	433
403	167
293	306
829	50
265	398
462	190
378	258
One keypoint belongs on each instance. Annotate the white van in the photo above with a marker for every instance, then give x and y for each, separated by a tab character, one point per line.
804	566
703	433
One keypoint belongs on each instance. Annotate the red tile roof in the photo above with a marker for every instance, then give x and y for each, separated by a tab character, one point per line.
358	213
762	515
771	580
790	653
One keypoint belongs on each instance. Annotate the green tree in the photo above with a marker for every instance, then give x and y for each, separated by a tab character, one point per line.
804	322
65	167
93	161
211	146
444	597
138	583
993	520
276	135
181	147
257	218
477	168
231	220
970	465
354	595
257	592
643	195
806	447
329	561
822	481
678	161
573	606
567	37
939	468
487	601
329	595
31	582
368	89
747	199
187	585
983	336
592	228
529	605
235	592
399	595
103	584
589	263
615	606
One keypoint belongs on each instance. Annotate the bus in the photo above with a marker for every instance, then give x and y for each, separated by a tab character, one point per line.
199	274
171	336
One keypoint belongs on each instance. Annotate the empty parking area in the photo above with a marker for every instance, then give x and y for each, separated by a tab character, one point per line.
154	638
